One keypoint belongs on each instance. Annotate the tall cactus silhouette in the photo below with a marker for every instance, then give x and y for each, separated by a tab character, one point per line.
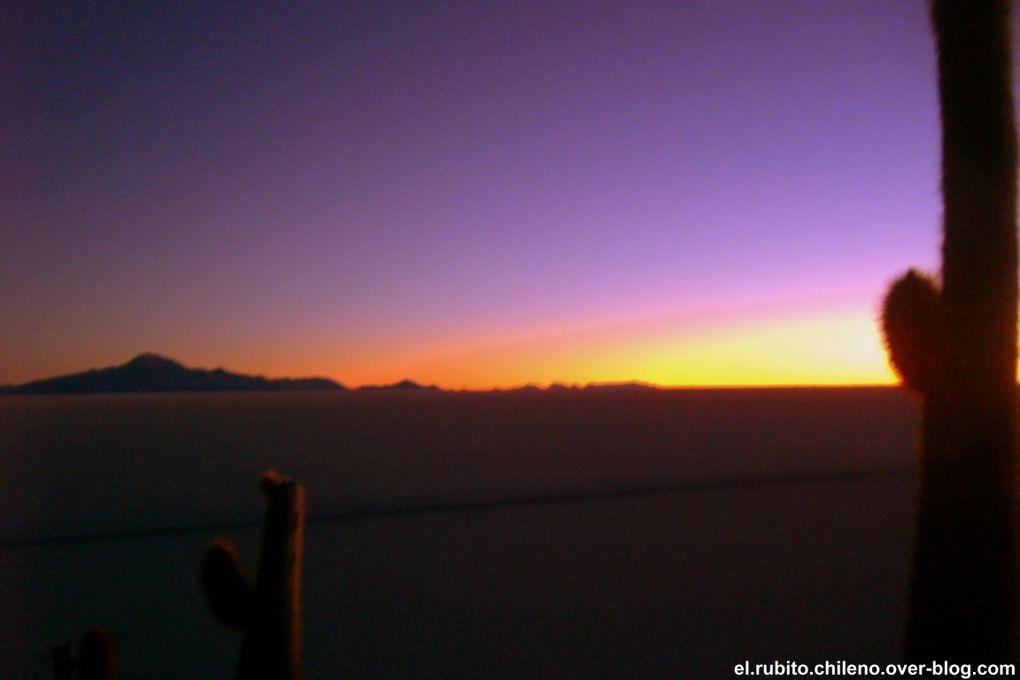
957	346
268	613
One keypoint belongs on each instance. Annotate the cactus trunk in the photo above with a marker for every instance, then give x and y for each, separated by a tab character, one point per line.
962	589
272	645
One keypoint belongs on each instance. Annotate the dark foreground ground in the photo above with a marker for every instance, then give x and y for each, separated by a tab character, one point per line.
780	529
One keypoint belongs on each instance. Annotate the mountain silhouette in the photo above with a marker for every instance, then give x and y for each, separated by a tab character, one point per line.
153	373
403	385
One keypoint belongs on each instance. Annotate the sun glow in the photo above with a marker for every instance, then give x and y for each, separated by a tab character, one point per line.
840	348
828	346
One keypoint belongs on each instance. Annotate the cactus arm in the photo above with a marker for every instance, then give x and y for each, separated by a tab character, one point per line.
228	594
911	328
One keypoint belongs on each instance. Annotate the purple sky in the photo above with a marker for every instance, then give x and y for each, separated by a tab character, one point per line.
370	190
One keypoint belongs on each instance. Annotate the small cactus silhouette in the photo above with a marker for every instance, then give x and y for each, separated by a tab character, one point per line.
268	613
97	658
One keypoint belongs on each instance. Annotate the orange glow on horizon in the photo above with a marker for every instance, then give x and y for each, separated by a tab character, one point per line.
787	344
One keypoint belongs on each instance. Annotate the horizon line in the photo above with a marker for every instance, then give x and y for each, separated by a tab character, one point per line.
414	384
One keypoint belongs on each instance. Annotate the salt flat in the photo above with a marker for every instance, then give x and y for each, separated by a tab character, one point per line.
779	528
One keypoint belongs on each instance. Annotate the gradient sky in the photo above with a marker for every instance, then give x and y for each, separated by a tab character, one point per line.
470	194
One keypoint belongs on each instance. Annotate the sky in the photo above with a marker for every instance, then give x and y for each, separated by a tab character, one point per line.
475	195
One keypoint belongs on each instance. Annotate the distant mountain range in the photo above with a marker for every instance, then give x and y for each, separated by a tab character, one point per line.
153	373
402	385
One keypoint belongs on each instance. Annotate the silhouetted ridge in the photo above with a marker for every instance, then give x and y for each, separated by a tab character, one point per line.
152	362
402	385
153	373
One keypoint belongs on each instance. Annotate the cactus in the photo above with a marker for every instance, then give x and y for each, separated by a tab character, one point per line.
956	346
97	658
268	613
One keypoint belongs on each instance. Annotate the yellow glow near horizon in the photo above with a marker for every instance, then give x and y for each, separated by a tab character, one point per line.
836	349
816	347
833	343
